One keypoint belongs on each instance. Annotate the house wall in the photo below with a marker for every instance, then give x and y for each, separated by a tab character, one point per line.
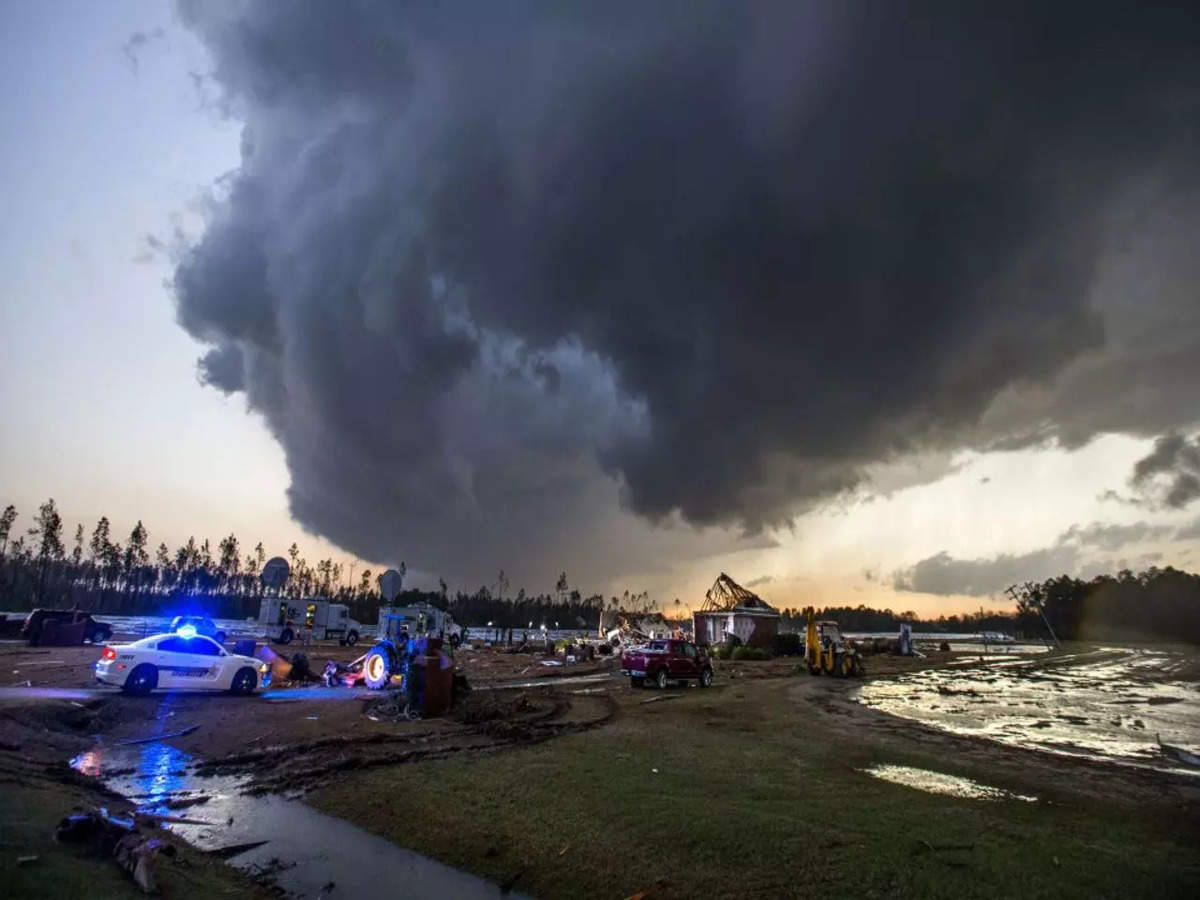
756	631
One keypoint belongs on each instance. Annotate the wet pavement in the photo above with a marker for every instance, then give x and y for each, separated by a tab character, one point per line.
1111	703
307	853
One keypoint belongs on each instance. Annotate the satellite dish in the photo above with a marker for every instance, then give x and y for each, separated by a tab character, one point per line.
390	583
275	572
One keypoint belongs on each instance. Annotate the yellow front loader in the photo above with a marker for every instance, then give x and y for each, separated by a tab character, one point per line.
826	651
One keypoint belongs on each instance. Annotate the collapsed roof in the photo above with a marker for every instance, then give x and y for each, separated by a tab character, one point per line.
727	595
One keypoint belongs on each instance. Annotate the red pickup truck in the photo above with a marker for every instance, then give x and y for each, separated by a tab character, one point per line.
666	660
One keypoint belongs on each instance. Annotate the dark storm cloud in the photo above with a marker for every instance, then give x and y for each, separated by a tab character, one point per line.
729	255
945	574
1113	537
1170	474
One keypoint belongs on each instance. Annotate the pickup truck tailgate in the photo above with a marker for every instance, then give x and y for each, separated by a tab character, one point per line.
637	662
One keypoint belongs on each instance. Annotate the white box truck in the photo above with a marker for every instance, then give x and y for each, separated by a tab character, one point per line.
421	618
284	619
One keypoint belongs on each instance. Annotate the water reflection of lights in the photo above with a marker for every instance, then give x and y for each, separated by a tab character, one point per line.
88	763
159	771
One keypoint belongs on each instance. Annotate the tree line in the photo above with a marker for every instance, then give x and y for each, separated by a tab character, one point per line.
866	618
102	574
1157	604
98	573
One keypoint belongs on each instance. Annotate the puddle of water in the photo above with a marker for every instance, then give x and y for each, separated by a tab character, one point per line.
314	848
1106	704
940	783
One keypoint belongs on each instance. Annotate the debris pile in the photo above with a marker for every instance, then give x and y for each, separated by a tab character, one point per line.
119	838
623	630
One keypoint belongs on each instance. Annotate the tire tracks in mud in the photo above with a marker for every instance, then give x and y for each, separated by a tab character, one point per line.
298	768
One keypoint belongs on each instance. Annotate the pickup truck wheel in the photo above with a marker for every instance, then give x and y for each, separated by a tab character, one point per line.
661	679
286	636
142	680
706	678
244	682
637	682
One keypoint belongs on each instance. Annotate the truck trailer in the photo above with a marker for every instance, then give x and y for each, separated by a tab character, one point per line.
284	619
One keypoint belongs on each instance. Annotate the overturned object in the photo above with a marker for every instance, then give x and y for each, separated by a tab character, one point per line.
112	836
135	854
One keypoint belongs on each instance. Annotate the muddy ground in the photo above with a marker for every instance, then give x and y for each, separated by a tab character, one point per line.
335	737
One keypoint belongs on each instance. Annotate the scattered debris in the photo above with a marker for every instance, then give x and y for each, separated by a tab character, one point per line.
135	854
29	860
119	838
661	697
161	737
151	818
1178	753
232	850
185	802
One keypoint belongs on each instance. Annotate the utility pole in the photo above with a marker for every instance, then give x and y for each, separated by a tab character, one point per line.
1039	603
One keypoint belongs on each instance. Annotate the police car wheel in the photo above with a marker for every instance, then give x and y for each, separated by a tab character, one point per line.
142	680
244	682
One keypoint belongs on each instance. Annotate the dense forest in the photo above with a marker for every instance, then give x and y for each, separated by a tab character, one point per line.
1158	604
865	618
98	573
37	568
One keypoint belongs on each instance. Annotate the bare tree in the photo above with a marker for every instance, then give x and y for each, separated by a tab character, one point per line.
47	539
6	522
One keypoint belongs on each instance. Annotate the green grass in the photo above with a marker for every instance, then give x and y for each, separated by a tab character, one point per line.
751	798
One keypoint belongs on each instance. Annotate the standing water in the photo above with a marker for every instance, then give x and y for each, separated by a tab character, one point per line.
304	850
1111	703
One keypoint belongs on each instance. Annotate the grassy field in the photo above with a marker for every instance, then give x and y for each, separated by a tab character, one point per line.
745	791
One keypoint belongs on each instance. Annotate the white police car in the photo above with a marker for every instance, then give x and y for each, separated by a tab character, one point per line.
180	661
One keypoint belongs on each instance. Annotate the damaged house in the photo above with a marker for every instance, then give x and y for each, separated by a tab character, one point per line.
730	609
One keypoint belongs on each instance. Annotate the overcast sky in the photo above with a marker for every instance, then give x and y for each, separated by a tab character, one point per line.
856	303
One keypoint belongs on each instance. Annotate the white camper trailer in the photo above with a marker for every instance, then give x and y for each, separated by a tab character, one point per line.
284	619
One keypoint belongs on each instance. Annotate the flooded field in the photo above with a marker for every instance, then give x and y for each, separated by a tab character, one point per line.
1109	703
